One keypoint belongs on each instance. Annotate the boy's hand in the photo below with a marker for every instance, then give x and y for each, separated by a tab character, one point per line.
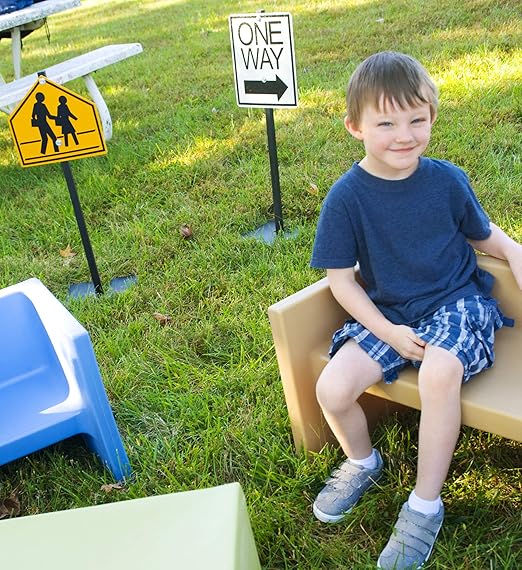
406	342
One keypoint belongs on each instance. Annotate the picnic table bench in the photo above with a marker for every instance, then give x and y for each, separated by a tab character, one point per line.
81	66
302	326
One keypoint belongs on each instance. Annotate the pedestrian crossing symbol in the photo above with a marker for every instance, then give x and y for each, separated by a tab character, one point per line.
54	124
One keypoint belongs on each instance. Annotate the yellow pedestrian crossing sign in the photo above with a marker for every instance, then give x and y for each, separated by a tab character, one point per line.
54	124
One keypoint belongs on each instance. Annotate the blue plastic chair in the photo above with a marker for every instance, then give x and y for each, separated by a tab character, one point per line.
50	384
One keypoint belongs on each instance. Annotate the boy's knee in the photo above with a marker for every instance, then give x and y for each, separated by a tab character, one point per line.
334	393
440	375
345	378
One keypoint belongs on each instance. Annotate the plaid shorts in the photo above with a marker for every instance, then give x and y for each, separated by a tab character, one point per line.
465	328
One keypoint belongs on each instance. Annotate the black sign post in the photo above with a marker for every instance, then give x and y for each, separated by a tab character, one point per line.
80	220
273	228
274	170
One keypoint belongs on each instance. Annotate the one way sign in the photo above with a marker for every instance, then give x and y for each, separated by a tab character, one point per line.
264	61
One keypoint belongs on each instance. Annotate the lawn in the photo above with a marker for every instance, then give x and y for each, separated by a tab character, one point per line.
197	394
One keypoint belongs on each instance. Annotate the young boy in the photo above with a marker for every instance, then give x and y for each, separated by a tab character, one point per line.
411	224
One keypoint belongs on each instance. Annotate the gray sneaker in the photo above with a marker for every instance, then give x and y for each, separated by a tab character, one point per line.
412	540
344	488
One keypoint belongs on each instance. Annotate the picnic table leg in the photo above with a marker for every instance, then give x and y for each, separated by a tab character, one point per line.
98	100
16	50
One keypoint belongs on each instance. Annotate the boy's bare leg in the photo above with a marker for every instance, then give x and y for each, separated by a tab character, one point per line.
346	376
440	381
342	381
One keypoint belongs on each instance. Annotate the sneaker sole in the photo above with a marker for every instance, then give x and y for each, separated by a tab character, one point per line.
323	517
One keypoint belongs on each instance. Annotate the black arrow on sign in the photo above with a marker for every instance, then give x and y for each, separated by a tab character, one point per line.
277	87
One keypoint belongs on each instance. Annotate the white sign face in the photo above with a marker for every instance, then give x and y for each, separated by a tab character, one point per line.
264	62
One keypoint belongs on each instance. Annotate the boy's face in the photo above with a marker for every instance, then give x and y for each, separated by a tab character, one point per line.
393	138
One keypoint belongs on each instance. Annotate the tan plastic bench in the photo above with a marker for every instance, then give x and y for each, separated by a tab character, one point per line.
302	326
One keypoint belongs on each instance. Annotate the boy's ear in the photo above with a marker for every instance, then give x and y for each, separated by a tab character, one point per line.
353	129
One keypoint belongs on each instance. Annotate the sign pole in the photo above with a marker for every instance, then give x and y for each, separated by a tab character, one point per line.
274	170
265	77
67	172
39	141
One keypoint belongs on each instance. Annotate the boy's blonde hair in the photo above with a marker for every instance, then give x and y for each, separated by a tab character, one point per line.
389	78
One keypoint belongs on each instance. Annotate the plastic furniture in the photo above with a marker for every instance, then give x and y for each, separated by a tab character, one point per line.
302	327
50	384
192	530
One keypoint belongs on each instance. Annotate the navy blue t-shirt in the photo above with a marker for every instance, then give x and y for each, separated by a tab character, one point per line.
408	236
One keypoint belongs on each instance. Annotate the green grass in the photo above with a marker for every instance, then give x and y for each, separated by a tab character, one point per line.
199	401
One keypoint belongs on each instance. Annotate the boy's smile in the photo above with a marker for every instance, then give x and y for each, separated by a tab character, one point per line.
393	138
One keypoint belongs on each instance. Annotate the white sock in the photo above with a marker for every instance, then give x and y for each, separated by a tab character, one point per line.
423	506
369	462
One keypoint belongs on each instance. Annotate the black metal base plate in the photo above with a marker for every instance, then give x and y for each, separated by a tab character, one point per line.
116	285
268	234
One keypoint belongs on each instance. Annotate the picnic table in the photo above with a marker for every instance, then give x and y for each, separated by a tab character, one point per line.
29	18
80	66
83	65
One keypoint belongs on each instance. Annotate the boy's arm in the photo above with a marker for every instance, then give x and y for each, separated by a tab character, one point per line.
500	245
352	297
